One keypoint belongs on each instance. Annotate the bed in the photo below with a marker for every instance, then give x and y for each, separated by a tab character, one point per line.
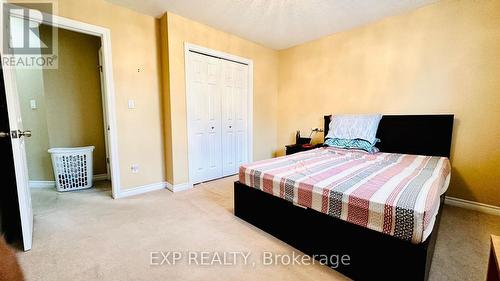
382	210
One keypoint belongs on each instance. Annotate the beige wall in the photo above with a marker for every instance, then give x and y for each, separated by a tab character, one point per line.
136	70
443	58
30	87
265	85
69	107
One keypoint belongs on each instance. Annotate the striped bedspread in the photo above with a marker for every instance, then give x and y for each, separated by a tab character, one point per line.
396	194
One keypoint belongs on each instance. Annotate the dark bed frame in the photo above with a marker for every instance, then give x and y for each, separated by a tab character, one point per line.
373	255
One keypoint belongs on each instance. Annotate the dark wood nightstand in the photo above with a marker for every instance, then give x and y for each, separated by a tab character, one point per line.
294	148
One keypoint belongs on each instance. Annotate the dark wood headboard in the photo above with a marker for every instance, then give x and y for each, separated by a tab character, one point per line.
413	134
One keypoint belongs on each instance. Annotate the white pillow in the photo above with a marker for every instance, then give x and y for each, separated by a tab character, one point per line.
354	127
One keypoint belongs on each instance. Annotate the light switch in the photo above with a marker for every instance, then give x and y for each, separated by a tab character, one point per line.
33	104
131	104
134	168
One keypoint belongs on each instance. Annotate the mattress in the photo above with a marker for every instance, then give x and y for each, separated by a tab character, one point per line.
395	194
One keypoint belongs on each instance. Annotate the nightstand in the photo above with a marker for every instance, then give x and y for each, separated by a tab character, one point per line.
294	148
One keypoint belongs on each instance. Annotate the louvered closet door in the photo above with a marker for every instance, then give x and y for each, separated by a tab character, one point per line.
234	116
204	105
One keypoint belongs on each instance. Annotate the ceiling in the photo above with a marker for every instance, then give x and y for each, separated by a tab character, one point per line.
278	24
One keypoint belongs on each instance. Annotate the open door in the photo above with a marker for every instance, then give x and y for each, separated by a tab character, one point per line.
105	112
17	135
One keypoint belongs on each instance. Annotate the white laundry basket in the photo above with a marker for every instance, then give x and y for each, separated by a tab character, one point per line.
72	167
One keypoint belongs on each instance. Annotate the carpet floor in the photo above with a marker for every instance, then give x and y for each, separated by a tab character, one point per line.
86	235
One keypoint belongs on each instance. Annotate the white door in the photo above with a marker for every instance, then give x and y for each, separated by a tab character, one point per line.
204	120
234	115
19	153
17	131
105	112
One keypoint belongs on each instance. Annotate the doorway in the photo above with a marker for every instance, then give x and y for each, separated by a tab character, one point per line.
18	133
106	84
64	108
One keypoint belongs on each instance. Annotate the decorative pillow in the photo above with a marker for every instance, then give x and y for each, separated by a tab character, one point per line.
353	144
351	127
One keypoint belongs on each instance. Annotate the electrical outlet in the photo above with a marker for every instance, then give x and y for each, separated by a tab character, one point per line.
131	104
134	168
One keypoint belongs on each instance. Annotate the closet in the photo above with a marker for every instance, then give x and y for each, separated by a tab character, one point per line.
217	104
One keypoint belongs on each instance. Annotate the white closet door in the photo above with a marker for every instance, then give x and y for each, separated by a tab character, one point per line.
234	116
204	106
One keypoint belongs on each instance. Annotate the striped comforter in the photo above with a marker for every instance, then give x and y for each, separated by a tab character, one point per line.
396	194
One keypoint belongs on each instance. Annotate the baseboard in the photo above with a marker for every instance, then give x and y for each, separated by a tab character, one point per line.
42	184
140	190
50	184
471	205
179	187
101	177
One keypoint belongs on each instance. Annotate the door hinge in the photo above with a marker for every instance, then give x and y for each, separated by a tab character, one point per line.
13	134
107	160
100	68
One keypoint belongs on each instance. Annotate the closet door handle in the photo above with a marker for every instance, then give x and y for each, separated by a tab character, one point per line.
230	127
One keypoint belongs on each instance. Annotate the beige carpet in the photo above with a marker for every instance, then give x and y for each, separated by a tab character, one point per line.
88	236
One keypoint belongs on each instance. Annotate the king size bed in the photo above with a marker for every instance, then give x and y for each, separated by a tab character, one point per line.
382	210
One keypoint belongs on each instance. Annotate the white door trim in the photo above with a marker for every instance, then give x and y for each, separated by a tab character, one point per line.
105	35
199	49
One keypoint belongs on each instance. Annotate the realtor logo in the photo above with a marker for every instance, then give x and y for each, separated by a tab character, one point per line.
29	39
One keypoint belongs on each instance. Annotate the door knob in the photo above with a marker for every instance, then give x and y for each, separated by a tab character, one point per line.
26	133
230	127
4	135
213	127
